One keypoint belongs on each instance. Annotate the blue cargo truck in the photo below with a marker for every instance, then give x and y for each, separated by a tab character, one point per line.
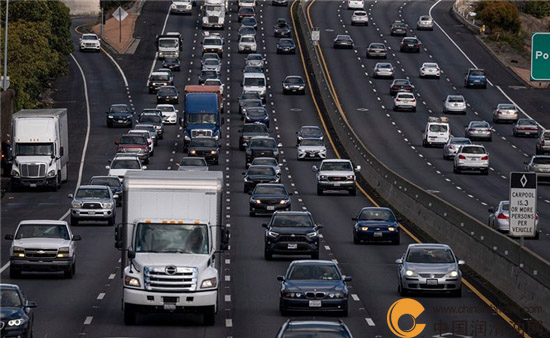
201	117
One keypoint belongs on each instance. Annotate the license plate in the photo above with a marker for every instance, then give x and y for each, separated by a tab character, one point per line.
311	155
91	212
314	303
337	184
431	282
32	185
292	246
270	207
169	307
377	234
527	133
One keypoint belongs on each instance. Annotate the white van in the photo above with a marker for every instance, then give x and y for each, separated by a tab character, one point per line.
255	82
356	4
437	131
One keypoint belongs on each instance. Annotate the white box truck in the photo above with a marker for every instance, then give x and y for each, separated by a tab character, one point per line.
40	147
169	45
170	231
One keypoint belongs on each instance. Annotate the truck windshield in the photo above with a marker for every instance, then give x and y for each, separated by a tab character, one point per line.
42	231
170	238
168	43
201	119
38	149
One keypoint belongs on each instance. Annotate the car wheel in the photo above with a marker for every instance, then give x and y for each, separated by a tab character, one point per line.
402	292
394	108
252	213
130	314
457	293
414	109
445	157
74	221
319	191
268	255
353	192
486	172
109	124
515	134
14	272
315	255
396	241
283	311
456	170
490	139
345	312
356	239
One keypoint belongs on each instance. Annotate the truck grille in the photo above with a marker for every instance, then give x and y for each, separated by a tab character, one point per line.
336	178
170	279
292	239
212	19
201	132
33	170
91	206
40	253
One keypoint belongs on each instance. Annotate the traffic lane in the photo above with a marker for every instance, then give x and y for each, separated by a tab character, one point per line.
500	161
529	99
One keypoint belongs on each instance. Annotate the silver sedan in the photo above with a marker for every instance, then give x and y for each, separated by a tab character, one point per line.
505	112
429	268
451	147
454	104
499	219
383	69
539	164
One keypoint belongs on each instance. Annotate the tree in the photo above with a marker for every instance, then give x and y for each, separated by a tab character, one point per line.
500	15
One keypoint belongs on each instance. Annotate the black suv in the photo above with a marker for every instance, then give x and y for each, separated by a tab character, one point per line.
206	147
262	147
282	29
167	94
249	131
17	316
120	115
291	233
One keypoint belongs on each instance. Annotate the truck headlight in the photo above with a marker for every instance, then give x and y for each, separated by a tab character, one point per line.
16	322
76	205
14	173
107	205
131	281
350	177
209	283
51	173
18	252
63	252
186	138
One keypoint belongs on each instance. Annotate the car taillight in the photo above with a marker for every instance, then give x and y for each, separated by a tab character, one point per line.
413	100
502	216
537	217
417	45
395	87
485	158
409	87
499	112
377	70
461	157
397	100
148	142
438	69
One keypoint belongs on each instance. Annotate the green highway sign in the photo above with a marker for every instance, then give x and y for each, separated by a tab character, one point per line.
540	57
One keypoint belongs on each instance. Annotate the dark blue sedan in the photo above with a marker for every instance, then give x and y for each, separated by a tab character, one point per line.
16	312
376	224
269	197
256	115
314	286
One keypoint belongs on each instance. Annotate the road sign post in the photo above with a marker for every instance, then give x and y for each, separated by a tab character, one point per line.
523	204
540	57
315	36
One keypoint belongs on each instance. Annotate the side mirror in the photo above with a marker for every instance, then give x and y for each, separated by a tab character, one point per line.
107	167
76	238
279	145
71	196
117	142
314	169
347	279
9	237
280	278
399	261
131	254
358	168
320	226
354	219
491	210
144	167
461	262
264	225
30	303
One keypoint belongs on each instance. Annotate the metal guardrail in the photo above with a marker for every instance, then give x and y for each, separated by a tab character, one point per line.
517	271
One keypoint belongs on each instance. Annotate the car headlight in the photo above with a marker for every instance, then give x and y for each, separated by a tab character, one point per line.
246	179
292	294
255	201
284	202
301	151
391	228
301	87
131	281
51	173
76	204
452	274
18	252
300	138
107	205
272	233
173	6
410	273
313	234
286	86
213	152
364	228
110	116
193	152
16	322
63	252
209	283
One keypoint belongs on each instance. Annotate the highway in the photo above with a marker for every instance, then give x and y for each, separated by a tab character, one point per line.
90	303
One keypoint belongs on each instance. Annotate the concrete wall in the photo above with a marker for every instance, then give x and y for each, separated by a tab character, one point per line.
83	7
518	272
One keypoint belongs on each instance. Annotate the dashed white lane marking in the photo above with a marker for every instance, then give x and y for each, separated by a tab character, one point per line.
228	261
227	298
100	296
112	276
229	323
88	320
227	278
355	297
370	321
327	247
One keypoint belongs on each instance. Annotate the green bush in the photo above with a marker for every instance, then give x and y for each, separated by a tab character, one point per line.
499	15
538	9
38	44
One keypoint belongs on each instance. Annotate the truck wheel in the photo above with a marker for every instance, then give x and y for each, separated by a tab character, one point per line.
319	191
111	221
57	185
353	192
69	273
209	316
130	314
14	272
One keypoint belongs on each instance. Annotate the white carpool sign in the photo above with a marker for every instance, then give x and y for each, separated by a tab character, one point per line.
523	204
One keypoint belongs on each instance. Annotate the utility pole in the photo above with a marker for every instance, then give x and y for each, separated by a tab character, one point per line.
5	80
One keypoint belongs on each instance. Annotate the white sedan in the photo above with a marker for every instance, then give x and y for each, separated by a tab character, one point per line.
430	69
360	18
169	113
404	101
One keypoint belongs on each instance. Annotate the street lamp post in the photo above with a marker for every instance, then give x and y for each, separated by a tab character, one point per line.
5	83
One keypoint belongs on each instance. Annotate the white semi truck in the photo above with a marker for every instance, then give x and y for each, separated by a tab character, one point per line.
40	142
170	231
214	14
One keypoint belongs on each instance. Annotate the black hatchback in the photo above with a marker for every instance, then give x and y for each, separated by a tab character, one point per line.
120	115
291	233
17	317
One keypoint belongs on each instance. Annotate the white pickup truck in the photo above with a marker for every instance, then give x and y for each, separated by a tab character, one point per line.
336	174
43	245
